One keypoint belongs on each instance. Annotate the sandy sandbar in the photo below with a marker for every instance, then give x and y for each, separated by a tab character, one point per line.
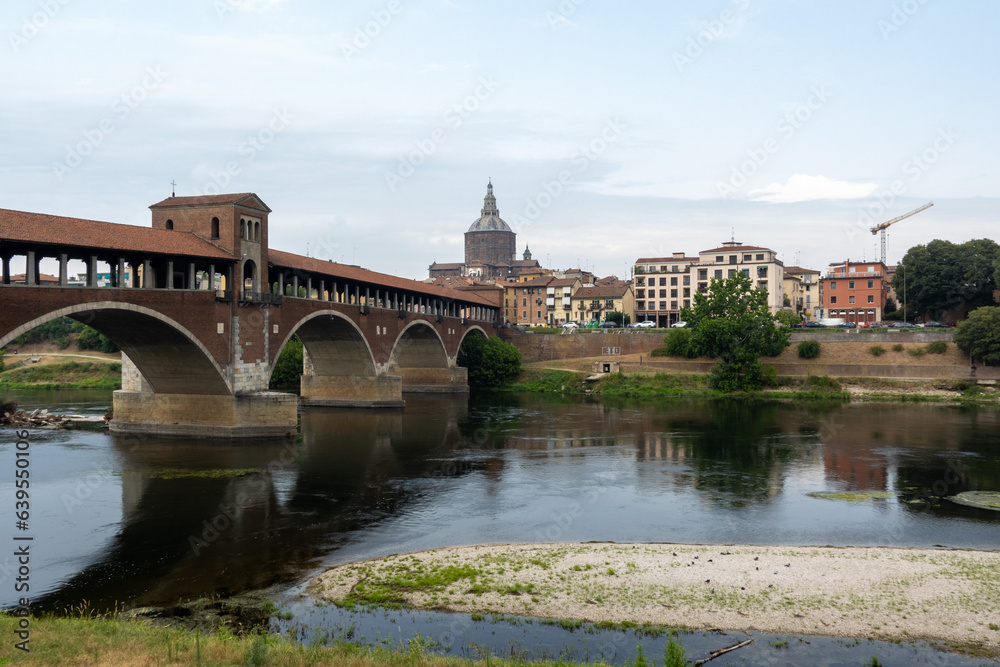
881	593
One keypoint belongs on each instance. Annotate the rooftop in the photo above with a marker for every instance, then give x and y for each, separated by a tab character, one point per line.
489	219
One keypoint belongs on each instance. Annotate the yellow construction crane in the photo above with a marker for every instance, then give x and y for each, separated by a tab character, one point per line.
881	228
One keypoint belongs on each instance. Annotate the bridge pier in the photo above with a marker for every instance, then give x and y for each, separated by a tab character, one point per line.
358	391
451	380
261	414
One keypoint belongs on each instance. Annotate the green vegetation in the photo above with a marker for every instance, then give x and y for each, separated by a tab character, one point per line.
91	339
621	319
942	276
979	335
937	347
288	369
787	317
493	363
678	344
215	473
916	352
733	324
898	347
69	375
876	350
809	349
855	497
115	641
53	330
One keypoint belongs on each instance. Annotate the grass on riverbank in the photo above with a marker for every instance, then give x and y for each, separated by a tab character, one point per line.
665	385
111	642
68	375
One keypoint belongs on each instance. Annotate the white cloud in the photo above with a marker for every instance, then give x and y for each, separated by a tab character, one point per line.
801	187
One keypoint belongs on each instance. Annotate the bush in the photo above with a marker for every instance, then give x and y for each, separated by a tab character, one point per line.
898	347
916	352
288	368
770	376
678	344
809	349
659	352
63	342
876	350
937	347
492	362
61	327
822	382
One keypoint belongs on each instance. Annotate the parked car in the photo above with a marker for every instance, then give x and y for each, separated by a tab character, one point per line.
812	324
904	325
645	324
607	324
570	325
679	325
934	325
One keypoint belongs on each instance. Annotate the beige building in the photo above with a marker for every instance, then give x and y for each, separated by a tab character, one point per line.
559	299
802	287
592	303
662	287
665	285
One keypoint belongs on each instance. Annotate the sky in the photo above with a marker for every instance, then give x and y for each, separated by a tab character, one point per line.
611	131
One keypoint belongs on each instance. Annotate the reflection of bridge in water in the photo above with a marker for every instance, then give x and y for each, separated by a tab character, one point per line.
201	308
184	535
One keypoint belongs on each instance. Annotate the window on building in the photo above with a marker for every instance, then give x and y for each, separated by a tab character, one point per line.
871	298
640	305
524	314
674	268
687	280
732	259
745	272
746	258
640	282
170	224
539	314
673	282
760	257
833	284
762	272
720	258
215	228
850	284
673	293
850	299
833	300
663	282
524	302
687	304
663	269
702	274
640	294
718	273
808	299
871	284
609	303
673	305
732	272
687	292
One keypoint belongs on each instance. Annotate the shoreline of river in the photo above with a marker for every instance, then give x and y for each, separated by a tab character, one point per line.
880	593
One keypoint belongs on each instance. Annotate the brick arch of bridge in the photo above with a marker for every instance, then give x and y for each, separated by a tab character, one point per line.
335	344
169	356
419	345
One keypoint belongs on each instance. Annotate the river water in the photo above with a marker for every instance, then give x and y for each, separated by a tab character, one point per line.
148	520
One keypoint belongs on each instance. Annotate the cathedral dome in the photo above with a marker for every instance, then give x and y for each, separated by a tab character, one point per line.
489	220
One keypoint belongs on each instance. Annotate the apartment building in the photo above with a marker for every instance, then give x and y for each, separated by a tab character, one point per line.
855	291
662	287
559	299
592	303
801	286
525	302
760	264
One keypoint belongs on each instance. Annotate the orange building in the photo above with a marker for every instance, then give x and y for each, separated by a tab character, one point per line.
854	291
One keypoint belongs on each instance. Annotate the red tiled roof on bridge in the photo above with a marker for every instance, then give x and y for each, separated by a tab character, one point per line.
39	228
335	270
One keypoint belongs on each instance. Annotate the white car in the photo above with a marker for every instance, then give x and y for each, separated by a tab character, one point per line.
679	325
569	325
645	324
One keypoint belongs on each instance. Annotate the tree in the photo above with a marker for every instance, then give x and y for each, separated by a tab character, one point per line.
621	319
91	339
288	368
787	318
786	302
734	324
979	335
890	305
492	362
943	276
